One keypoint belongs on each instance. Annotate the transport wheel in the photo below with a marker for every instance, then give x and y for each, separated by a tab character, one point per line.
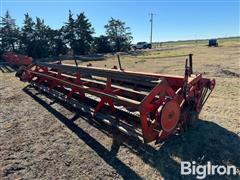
169	115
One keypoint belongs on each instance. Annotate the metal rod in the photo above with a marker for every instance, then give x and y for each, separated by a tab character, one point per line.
204	92
123	76
73	69
75	60
119	62
85	89
206	98
129	92
190	64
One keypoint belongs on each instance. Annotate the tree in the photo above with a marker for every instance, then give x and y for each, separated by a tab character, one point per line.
69	30
101	44
9	34
39	40
40	43
57	45
84	33
27	35
119	35
78	33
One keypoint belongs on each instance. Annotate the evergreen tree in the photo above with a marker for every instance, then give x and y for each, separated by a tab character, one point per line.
27	35
56	43
78	33
40	44
69	30
84	33
9	34
119	35
38	40
101	44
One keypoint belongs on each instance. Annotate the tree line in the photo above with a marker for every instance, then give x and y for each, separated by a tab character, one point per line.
38	40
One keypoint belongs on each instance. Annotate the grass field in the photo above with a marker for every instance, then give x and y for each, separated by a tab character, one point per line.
39	138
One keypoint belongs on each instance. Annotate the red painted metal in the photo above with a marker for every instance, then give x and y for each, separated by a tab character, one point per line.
16	59
170	115
165	106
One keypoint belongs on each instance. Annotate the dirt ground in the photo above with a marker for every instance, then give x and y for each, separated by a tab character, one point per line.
41	139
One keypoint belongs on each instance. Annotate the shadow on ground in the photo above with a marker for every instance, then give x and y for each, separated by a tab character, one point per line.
205	141
6	68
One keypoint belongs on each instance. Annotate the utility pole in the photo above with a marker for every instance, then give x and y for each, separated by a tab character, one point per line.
151	21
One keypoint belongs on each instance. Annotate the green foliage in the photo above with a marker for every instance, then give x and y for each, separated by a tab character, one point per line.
9	34
38	40
56	43
68	30
27	35
78	33
40	46
119	35
102	44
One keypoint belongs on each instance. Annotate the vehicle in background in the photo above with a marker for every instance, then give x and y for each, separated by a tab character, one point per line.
16	59
142	45
213	42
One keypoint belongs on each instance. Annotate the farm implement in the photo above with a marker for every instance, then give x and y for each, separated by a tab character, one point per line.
152	107
16	59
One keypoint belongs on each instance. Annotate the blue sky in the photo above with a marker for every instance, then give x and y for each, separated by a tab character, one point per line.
173	20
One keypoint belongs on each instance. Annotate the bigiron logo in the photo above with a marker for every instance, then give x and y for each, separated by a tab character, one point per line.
202	171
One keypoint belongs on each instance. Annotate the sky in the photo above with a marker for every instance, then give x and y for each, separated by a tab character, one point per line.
172	20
